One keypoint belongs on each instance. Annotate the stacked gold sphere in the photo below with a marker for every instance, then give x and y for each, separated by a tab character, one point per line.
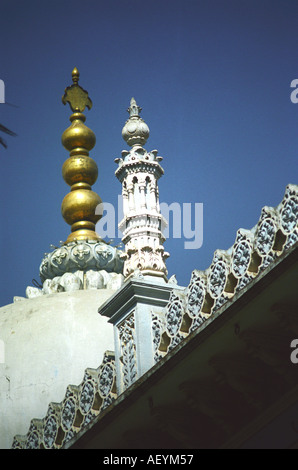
80	171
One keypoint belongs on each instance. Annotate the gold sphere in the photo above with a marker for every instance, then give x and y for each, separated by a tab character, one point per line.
80	205
78	135
79	169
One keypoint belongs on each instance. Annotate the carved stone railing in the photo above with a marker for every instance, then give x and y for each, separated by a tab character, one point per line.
230	271
80	406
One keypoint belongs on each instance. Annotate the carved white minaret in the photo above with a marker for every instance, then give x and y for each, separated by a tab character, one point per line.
142	224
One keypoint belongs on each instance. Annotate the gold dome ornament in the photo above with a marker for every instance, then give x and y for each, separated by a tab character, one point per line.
79	170
84	260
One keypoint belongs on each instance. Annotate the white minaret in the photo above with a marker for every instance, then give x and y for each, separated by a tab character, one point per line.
142	223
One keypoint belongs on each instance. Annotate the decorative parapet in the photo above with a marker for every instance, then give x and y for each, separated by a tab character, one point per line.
188	308
230	271
288	213
80	406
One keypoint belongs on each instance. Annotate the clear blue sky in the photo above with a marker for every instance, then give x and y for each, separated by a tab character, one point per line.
213	78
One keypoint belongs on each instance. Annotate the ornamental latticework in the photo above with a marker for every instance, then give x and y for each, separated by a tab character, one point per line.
230	272
80	406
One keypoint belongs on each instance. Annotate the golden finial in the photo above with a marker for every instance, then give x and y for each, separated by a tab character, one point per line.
79	170
75	95
75	76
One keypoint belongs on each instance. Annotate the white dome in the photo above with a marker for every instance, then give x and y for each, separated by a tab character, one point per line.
48	342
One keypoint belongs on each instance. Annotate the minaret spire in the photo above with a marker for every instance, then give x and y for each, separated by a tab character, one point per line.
134	109
79	170
142	224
